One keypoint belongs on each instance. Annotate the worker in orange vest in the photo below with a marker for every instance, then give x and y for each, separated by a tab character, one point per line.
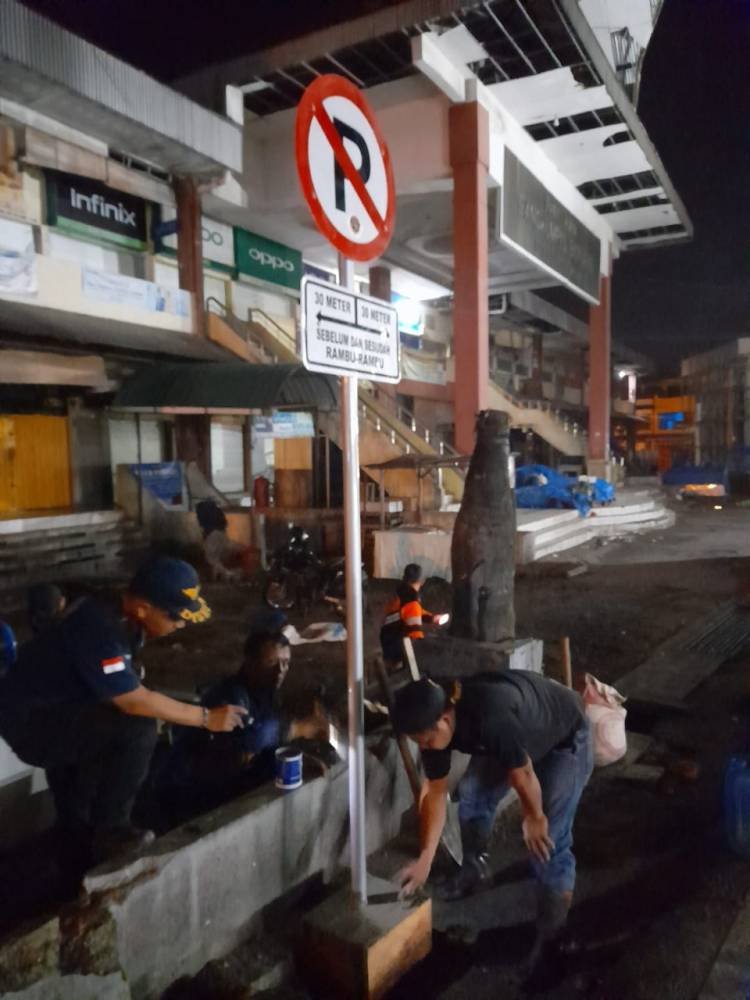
405	616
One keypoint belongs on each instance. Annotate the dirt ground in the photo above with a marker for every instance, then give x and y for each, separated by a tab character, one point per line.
658	890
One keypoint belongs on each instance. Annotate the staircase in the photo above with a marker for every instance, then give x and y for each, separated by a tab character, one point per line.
566	437
60	547
386	429
541	534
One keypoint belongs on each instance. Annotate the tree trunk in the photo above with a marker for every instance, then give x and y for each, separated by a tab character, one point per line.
483	547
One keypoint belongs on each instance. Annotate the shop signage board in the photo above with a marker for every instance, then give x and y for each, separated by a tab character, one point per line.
259	257
348	334
218	240
284	424
86	208
544	231
162	479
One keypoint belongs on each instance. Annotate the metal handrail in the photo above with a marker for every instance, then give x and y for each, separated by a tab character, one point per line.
285	335
406	417
246	332
572	427
217	302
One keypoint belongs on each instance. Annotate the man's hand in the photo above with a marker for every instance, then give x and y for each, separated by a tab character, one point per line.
414	876
536	837
225	718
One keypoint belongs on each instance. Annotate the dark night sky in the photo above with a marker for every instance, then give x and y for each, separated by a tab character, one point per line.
695	102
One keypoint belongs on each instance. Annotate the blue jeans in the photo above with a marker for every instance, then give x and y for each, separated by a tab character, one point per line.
562	774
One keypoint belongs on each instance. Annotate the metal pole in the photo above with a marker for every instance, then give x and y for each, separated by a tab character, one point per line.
140	470
354	643
328	472
382	499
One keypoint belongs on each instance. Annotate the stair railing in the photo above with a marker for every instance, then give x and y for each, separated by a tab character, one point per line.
543	405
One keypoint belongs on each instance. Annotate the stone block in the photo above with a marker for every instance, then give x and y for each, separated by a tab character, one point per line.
199	893
58	987
448	657
29	954
351	951
89	940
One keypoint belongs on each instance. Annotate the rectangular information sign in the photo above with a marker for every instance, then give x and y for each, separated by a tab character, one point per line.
348	334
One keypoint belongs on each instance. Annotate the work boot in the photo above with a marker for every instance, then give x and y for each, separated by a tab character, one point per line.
474	873
544	966
120	841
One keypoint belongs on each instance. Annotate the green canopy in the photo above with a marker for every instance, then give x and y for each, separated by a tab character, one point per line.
230	385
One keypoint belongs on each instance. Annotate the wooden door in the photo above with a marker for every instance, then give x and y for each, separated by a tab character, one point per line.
41	462
7	464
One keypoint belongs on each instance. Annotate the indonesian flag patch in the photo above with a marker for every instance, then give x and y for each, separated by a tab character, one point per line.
114	665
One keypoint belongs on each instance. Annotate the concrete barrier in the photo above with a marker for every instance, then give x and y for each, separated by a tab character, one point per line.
201	889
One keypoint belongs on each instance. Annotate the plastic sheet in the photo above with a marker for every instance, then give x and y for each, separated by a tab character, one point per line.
540	487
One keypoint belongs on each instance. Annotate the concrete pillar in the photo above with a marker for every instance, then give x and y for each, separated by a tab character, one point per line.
469	154
192	435
600	374
190	246
380	283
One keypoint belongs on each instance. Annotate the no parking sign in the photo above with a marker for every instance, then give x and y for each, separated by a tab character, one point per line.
344	168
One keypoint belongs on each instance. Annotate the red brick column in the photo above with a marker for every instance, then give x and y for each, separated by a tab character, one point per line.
469	153
190	246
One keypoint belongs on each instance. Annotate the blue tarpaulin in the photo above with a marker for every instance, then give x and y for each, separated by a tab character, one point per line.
695	475
539	487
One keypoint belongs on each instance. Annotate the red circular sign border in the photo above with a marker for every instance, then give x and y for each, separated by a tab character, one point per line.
333	85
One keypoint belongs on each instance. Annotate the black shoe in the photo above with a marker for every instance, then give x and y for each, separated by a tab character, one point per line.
120	841
472	877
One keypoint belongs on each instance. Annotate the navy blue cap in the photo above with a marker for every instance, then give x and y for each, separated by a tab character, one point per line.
171	585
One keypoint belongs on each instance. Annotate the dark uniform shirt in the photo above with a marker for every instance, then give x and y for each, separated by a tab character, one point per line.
202	769
261	729
88	656
512	716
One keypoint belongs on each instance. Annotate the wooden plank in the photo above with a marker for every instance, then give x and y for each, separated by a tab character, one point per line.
683	662
362	951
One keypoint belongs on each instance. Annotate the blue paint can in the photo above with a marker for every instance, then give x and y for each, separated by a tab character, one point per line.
288	768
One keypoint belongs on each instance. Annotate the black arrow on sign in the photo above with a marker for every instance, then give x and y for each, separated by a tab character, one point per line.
354	326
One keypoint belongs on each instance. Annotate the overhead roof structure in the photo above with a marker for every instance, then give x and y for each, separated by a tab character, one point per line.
226	385
56	74
539	58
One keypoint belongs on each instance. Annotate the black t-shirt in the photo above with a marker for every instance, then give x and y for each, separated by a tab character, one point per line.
86	657
512	716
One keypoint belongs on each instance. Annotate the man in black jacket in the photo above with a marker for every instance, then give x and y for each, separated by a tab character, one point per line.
524	732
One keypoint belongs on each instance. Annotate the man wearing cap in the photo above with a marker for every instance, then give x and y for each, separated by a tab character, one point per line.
525	732
74	704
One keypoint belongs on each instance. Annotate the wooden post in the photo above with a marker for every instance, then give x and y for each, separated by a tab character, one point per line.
565	661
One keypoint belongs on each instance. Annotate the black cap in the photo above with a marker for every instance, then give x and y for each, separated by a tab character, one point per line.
412	573
172	586
417	706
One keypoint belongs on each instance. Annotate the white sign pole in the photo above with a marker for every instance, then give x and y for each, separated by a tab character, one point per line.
354	641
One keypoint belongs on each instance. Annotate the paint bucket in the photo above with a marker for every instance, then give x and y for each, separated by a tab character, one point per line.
288	768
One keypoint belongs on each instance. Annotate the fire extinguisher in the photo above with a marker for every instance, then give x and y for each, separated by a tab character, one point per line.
261	491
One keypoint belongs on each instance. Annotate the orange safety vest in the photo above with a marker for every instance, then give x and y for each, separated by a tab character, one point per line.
404	616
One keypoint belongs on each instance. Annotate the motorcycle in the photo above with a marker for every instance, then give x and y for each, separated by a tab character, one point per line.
297	577
295	573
